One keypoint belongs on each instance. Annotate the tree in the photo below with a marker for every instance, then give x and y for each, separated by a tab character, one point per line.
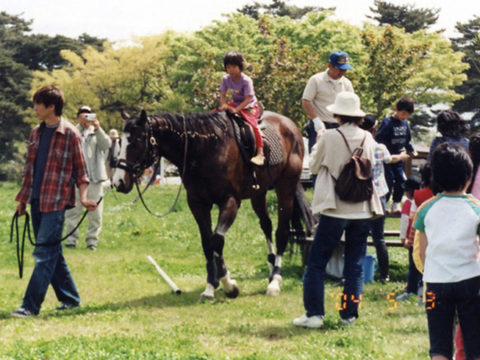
404	16
469	43
181	72
21	52
279	8
14	85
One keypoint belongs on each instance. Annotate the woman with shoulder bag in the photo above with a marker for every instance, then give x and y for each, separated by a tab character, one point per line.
334	149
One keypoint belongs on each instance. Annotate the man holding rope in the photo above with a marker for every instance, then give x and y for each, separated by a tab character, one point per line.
54	164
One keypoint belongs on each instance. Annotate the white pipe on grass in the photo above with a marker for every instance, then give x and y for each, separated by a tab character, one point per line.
165	277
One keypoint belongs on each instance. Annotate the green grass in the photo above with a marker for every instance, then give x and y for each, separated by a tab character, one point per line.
128	312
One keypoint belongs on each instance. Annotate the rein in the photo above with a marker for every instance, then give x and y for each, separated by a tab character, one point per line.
26	232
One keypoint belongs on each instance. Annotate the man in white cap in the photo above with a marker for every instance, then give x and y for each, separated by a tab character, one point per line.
95	149
321	90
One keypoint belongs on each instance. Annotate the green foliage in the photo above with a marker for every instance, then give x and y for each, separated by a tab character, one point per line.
279	8
407	17
469	44
21	52
129	312
181	72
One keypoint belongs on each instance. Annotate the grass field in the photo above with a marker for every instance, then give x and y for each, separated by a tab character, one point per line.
128	312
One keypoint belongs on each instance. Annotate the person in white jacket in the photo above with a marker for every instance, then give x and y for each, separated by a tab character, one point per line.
327	160
96	144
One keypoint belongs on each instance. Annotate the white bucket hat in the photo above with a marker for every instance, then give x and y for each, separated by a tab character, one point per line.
346	103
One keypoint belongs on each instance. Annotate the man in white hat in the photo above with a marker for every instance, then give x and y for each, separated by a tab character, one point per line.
95	148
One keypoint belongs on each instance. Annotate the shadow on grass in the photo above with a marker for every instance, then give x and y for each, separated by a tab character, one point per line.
155	301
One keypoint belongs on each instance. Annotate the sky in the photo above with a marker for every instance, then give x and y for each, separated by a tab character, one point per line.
119	20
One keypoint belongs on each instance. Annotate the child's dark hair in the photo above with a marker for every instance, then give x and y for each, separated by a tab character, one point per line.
349	119
49	95
452	168
426	174
405	104
412	184
233	58
449	123
369	122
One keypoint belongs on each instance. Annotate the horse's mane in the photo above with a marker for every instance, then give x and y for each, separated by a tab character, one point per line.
203	125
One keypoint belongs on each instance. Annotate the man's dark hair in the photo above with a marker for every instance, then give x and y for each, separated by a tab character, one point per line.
349	119
368	123
412	184
233	58
405	104
449	123
426	174
50	95
452	167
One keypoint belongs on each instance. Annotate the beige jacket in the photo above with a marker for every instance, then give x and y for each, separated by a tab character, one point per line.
327	159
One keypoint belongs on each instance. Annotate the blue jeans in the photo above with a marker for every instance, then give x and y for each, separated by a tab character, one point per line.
377	229
443	300
326	239
395	180
50	266
414	278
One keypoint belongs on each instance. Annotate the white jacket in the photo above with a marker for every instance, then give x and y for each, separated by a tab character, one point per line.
95	150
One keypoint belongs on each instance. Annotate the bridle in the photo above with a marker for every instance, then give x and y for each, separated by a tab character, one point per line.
136	170
150	152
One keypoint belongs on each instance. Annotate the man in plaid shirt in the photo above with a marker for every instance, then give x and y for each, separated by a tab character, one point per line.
55	164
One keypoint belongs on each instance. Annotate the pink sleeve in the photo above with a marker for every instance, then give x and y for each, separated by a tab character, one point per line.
476	185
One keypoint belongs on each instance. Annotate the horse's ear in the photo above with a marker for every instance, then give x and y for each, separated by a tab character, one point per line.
125	115
143	118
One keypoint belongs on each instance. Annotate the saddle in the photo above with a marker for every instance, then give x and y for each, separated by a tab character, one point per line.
245	138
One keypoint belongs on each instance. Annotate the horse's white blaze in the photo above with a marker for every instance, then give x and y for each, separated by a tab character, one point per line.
273	289
119	174
227	283
209	292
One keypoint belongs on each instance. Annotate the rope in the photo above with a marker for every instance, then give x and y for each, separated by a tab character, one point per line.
20	244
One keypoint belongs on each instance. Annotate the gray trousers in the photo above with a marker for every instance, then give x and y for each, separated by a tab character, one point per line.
72	217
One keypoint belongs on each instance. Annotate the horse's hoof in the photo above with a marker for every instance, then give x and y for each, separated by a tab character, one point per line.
208	294
273	289
206	297
233	293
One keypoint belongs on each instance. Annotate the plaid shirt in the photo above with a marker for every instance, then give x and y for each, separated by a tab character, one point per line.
65	167
378	172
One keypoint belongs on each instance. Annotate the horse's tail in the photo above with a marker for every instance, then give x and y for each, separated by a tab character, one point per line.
302	212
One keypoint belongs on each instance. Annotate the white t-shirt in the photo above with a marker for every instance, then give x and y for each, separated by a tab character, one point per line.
451	224
321	91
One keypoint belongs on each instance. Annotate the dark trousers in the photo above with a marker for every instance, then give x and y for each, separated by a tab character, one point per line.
414	277
377	230
395	181
443	301
327	237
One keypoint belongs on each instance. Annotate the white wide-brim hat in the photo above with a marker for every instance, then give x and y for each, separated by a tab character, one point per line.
346	103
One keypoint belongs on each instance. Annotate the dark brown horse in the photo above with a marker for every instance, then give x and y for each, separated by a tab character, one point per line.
205	150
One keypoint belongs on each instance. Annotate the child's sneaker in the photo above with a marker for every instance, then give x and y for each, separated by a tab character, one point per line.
396	208
349	321
258	160
312	322
404	296
22	313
